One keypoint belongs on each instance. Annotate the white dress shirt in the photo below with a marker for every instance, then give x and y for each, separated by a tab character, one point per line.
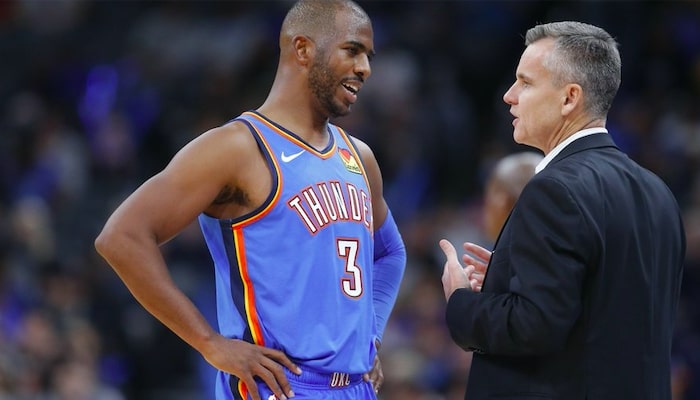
558	148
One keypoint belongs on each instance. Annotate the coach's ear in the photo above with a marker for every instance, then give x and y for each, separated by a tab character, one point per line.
572	98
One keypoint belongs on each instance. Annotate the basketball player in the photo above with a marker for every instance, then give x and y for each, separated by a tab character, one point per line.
308	258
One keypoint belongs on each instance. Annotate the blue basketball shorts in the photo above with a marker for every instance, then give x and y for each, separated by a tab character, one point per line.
336	386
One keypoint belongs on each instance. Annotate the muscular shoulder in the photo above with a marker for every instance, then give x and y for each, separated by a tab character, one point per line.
225	148
231	138
220	160
239	166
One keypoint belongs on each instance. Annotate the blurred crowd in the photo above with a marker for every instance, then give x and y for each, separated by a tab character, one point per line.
96	96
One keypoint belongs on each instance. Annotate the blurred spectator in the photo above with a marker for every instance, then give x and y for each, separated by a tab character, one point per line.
506	181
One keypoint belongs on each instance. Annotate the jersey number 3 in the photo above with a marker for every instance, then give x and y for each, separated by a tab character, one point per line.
347	250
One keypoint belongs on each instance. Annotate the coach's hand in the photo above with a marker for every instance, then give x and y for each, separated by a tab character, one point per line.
480	261
246	361
454	276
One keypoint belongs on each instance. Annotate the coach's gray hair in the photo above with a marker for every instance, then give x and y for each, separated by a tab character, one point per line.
583	54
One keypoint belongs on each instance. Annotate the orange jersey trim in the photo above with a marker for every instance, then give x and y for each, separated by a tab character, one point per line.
242	389
249	292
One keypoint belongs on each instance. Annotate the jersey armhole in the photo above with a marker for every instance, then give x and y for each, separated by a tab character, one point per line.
274	170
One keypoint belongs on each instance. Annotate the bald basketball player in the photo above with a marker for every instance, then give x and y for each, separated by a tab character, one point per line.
307	257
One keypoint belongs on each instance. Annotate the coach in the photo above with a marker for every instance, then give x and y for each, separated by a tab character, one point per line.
580	293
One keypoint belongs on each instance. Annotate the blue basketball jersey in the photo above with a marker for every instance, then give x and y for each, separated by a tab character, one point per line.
296	274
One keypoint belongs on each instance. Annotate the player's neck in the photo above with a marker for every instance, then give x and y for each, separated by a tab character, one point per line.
299	120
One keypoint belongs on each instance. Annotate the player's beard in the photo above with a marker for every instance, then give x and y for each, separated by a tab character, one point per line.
324	86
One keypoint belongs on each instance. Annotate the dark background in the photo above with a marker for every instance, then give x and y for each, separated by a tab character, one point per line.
96	96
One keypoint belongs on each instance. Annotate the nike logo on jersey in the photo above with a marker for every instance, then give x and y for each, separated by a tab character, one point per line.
288	158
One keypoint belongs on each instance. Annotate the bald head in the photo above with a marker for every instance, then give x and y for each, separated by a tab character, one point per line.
325	51
316	18
513	172
506	182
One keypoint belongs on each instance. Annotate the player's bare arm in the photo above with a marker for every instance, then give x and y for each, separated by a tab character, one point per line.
203	176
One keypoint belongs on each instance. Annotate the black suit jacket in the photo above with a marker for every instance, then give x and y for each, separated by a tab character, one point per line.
580	296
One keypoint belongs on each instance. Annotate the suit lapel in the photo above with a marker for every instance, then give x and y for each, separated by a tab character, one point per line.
495	245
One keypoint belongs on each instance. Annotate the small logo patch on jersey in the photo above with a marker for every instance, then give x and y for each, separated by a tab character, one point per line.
288	158
349	161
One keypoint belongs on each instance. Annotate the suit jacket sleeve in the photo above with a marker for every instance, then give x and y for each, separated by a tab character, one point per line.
532	292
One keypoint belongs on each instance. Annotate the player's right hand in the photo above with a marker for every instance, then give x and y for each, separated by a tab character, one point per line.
246	361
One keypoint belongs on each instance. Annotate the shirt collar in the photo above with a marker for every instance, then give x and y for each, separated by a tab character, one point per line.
558	148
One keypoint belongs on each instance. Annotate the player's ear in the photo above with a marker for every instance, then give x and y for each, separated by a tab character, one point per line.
304	49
